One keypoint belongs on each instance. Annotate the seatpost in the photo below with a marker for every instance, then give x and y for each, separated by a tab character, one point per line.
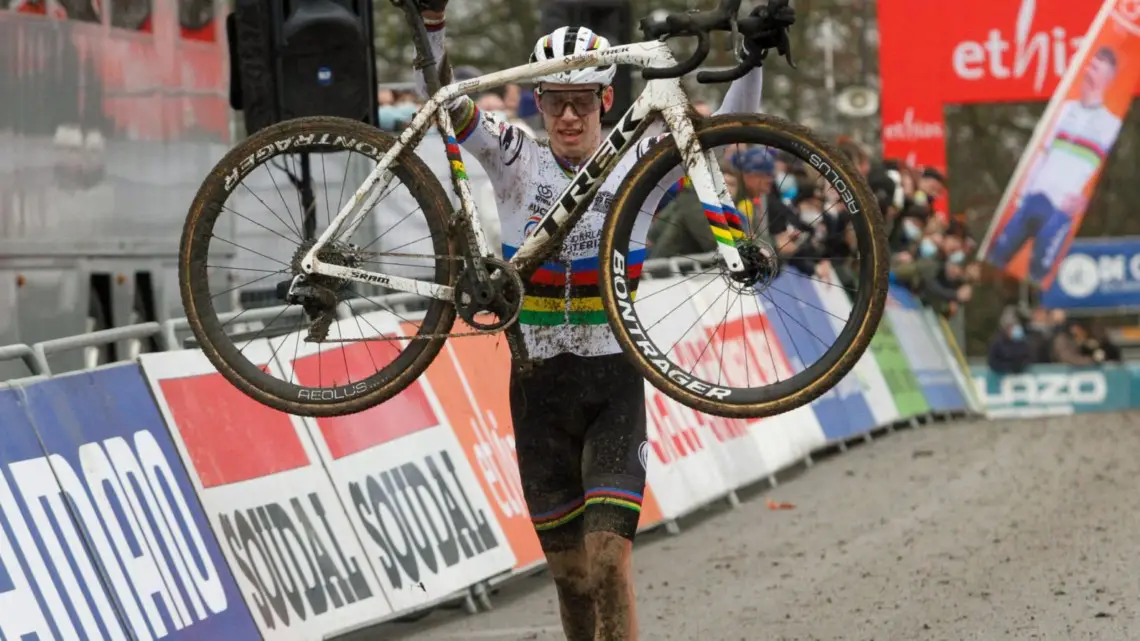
424	61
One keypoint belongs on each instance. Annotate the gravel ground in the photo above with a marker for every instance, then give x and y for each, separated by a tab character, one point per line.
970	530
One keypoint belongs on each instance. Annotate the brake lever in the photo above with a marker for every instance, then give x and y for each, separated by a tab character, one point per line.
785	48
735	42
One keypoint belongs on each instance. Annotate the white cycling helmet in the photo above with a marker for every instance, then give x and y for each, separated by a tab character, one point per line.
568	41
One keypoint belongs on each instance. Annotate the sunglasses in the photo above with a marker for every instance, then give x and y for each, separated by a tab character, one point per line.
582	102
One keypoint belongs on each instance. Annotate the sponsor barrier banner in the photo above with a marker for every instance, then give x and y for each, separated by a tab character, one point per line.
836	310
684	467
471	379
282	528
1046	199
905	390
108	540
1098	273
804	347
744	342
411	496
1051	390
929	365
944	335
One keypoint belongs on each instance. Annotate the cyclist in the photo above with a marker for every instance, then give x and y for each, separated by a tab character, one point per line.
579	417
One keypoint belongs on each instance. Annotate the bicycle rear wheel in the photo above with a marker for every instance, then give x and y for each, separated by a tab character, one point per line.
783	381
341	381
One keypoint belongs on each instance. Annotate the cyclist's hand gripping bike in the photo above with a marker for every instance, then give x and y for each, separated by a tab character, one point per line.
486	291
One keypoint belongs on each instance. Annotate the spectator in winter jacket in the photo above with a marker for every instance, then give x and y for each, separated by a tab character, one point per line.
1067	342
1009	353
1039	335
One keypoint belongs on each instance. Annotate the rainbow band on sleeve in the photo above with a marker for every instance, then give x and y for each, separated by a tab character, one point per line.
464	121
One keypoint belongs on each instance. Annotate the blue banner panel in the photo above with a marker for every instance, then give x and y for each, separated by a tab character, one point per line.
28	588
802	348
929	364
125	548
1097	273
824	335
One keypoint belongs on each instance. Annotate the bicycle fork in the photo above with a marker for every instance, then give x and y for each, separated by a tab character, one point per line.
706	179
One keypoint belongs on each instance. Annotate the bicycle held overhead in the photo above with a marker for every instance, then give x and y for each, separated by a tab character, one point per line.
655	146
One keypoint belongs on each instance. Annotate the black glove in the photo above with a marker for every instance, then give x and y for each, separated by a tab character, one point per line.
775	18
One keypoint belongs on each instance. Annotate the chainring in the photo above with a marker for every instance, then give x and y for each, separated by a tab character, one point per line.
506	303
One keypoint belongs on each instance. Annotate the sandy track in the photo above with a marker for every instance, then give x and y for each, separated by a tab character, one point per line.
974	530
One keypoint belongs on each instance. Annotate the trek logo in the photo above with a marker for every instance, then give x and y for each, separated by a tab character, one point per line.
643	343
599	163
1047	388
1047	51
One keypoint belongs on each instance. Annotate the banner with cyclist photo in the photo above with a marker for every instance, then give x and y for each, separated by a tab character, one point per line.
1048	196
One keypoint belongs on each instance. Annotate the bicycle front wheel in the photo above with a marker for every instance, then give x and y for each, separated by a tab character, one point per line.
766	344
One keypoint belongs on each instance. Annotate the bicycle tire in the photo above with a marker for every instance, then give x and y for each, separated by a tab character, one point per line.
852	341
198	304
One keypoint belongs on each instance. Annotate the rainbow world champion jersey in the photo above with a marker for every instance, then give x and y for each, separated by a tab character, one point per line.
1080	143
562	309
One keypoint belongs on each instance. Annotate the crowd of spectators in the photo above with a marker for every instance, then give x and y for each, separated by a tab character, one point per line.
807	223
1047	336
398	103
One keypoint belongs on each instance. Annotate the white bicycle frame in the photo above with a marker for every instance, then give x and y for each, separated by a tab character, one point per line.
664	96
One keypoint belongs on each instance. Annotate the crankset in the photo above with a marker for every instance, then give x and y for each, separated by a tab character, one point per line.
501	295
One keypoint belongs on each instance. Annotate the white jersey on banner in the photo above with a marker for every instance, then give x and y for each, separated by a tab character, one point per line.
1080	143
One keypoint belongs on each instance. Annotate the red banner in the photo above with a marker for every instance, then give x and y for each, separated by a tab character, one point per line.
970	51
1046	199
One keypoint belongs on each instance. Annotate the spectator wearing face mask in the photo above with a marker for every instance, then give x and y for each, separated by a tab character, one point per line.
939	273
1009	352
908	230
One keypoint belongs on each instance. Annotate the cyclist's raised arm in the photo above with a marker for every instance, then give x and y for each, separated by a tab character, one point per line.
501	148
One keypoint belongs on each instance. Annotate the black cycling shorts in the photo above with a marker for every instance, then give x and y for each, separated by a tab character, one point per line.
580	440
